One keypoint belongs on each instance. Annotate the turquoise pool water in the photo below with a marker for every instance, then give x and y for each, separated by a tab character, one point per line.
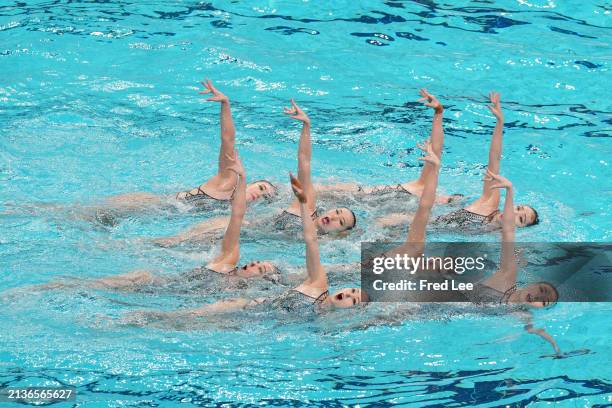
99	98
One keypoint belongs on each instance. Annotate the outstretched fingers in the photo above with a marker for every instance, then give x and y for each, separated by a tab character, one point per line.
294	105
500	181
429	99
424	94
430	156
214	93
424	145
208	87
295	112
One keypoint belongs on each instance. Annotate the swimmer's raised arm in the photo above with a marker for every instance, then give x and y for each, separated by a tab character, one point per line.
304	153
228	131
490	196
505	278
508	224
221	186
230	246
436	136
416	232
508	260
317	276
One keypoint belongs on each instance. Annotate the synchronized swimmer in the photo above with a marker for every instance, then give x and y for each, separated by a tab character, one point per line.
312	294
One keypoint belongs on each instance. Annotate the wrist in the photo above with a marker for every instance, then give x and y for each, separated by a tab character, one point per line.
239	212
439	108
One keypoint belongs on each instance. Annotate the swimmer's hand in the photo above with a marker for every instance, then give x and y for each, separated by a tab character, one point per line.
575	353
236	165
558	353
502	182
216	95
495	107
296	113
297	189
430	100
430	156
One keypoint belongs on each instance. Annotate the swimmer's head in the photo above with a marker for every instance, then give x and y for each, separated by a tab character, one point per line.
538	295
260	189
524	216
336	221
259	269
347	297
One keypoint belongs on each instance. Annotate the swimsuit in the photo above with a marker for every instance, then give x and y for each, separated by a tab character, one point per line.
294	301
211	280
464	217
107	217
198	273
483	294
289	221
200	197
386	189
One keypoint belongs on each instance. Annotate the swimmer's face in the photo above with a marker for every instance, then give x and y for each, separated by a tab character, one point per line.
344	298
538	295
258	269
259	189
336	220
524	216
